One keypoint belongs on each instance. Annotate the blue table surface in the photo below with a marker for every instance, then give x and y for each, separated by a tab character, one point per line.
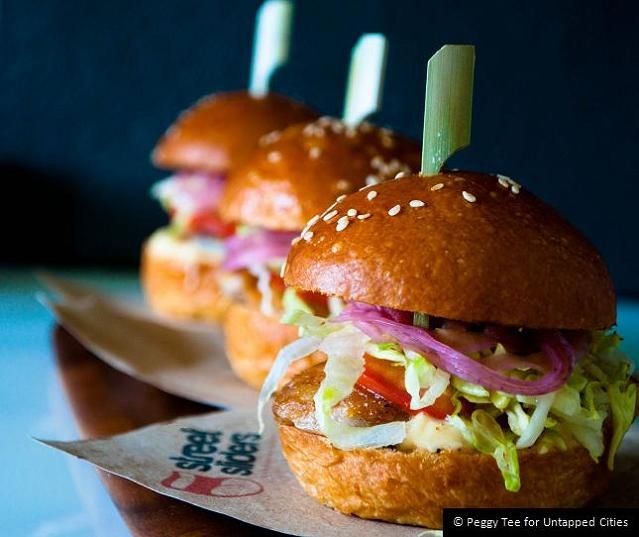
45	493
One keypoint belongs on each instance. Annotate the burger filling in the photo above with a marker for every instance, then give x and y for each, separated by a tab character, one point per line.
252	257
192	200
256	256
457	385
167	244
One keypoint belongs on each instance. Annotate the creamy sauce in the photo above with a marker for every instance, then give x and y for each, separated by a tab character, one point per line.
431	434
263	276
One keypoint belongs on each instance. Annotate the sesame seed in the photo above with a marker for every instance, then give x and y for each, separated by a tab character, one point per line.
270	138
295	241
363	216
372	180
416	203
325	121
438	186
388	142
342	219
283	269
341	225
351	212
312	221
313	130
343	184
340	198
515	189
508	182
394	210
329	216
366	186
351	132
330	207
274	156
314	152
308	236
365	126
377	161
469	197
371	195
400	175
337	127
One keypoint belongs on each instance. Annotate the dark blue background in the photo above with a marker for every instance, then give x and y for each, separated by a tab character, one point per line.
88	87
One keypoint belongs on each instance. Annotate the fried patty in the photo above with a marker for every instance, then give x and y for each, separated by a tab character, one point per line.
293	404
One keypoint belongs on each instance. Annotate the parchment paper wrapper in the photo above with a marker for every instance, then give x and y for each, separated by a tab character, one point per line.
184	359
218	462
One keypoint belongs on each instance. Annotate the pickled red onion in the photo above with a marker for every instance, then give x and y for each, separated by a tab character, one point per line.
382	325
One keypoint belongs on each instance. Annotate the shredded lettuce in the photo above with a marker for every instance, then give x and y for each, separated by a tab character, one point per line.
500	399
623	401
345	350
586	423
567	400
518	420
386	351
309	324
291	304
421	375
537	422
471	392
486	435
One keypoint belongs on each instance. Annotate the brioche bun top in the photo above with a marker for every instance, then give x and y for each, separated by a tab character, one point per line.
297	172
220	131
461	245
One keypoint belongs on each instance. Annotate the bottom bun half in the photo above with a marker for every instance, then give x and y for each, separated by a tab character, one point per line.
253	341
182	289
413	487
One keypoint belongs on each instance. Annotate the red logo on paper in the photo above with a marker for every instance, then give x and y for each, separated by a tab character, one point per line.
221	487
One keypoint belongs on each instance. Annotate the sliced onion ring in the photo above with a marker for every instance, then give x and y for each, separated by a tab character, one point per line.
256	248
380	327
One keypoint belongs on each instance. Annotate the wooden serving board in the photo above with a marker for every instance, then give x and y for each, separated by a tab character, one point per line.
106	402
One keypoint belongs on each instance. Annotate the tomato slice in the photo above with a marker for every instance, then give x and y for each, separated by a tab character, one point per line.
277	284
317	302
210	224
387	380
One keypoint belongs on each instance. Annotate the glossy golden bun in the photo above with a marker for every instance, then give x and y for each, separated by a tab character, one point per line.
480	249
253	341
413	487
182	290
297	172
220	131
